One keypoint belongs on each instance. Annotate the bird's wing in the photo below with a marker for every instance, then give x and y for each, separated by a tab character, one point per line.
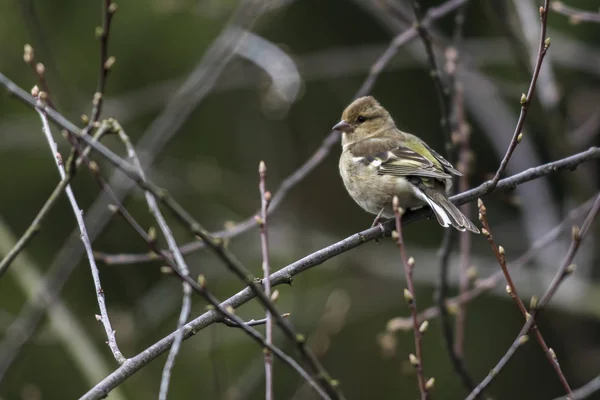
418	145
406	160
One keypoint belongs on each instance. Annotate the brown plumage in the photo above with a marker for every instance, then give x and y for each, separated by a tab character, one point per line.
379	161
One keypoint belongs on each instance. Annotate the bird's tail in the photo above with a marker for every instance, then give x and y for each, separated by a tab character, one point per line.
446	213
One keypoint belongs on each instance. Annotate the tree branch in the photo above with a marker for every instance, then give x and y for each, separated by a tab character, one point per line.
526	98
103	317
265	198
410	297
566	269
108	10
575	15
285	275
511	288
443	94
486	284
36	224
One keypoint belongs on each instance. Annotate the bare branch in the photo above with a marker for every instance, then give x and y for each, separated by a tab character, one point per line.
179	261
410	297
108	10
214	243
584	391
526	98
36	224
575	15
432	14
443	94
284	275
103	317
195	88
486	284
566	269
465	159
265	198
511	288
252	322
222	310
39	69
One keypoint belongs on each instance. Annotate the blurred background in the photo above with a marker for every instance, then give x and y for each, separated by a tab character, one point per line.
208	88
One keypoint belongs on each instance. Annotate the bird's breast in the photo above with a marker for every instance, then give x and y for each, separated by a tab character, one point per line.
373	191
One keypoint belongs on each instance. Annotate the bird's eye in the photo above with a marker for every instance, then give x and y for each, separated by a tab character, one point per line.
361	119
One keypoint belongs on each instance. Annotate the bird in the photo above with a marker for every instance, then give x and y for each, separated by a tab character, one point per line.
379	161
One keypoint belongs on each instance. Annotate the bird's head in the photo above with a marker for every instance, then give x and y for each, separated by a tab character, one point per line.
363	118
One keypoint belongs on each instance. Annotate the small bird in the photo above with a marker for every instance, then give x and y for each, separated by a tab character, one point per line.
379	161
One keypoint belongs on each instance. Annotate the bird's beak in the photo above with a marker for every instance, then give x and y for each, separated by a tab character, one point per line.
342	126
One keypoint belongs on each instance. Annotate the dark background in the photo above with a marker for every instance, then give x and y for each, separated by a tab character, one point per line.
210	166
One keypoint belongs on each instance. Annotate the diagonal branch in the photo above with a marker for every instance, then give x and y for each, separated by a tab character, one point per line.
179	262
409	296
526	98
224	313
36	224
103	317
511	288
265	198
566	269
285	275
443	94
575	15
108	10
486	284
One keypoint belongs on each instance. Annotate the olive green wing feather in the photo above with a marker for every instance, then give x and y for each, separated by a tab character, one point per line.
408	159
416	144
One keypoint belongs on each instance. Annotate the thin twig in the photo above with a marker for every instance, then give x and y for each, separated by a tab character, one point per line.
286	185
443	94
566	269
217	246
198	84
265	198
285	275
103	317
432	14
484	285
318	156
186	279
40	73
410	297
461	133
252	322
36	224
213	243
179	261
584	391
224	313
526	98
63	325
465	261
108	10
510	183
460	136
39	70
464	160
512	291
575	15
